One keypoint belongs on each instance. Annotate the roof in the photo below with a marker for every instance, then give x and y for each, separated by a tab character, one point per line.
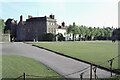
61	27
24	22
36	19
40	19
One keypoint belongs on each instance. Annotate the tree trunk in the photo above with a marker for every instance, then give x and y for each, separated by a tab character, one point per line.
79	37
73	37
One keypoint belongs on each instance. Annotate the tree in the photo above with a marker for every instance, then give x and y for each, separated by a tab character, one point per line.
74	30
2	26
90	33
102	32
69	29
97	33
116	34
82	30
87	32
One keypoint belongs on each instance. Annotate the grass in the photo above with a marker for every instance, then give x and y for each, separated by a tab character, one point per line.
14	66
4	42
0	30
95	52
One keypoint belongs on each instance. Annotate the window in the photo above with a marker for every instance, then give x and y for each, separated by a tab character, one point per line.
49	30
54	30
48	23
53	23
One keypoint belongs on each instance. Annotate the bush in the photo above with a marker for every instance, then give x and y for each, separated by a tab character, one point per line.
60	37
48	37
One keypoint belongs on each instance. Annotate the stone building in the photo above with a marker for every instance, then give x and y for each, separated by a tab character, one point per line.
34	27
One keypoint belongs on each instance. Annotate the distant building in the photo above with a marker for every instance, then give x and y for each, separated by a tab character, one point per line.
34	27
63	30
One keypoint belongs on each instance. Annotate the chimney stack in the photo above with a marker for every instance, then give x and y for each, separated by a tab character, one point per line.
16	21
29	16
73	23
52	16
21	18
63	24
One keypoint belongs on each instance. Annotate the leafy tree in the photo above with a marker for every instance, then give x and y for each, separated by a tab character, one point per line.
2	25
97	33
69	29
82	30
116	34
89	32
73	29
105	32
109	32
102	32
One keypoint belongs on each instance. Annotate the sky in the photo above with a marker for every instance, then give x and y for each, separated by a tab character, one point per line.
94	13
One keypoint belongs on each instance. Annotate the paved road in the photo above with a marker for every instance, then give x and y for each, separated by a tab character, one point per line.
60	64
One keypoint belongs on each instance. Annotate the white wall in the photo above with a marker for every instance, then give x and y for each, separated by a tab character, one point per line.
67	36
62	31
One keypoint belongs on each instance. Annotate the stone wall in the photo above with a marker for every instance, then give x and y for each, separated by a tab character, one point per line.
5	38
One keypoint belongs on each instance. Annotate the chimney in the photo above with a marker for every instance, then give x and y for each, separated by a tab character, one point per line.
73	23
21	18
52	16
16	21
63	24
29	16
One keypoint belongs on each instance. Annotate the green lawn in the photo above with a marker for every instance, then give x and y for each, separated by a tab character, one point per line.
4	42
0	30
14	66
95	52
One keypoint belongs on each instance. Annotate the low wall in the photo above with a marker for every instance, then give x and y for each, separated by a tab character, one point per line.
5	38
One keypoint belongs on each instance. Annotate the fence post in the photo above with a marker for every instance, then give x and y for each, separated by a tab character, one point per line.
81	76
91	72
111	62
24	75
94	69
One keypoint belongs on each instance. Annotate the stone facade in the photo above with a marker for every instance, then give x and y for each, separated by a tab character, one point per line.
5	38
34	27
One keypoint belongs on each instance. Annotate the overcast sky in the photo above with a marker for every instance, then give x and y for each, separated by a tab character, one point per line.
95	13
